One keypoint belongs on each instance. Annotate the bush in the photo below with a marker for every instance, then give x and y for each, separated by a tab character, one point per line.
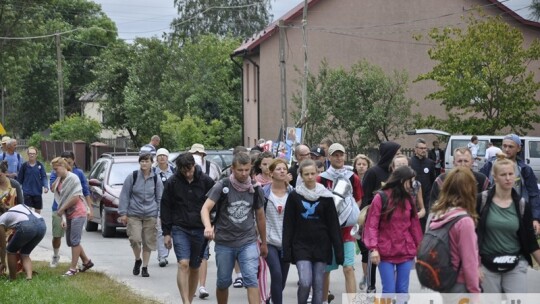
76	127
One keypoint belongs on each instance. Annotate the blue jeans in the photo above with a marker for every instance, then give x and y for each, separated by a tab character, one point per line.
395	277
310	274
27	236
248	260
278	273
188	244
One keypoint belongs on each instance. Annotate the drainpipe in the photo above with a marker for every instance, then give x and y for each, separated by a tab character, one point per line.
258	96
242	81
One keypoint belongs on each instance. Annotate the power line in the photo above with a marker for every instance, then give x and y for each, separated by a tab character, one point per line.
42	36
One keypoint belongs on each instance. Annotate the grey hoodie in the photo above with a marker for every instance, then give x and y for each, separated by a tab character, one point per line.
140	199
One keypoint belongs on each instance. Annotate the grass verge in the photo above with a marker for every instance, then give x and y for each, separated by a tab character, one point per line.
48	286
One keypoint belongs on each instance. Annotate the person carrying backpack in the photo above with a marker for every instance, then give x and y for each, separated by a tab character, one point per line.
392	232
453	216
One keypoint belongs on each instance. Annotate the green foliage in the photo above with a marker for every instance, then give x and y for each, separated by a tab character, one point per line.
144	79
35	140
238	18
182	133
360	107
76	127
483	76
28	67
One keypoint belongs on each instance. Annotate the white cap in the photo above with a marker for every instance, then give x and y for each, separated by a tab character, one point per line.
162	151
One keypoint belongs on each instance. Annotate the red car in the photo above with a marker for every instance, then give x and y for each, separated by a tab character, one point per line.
106	179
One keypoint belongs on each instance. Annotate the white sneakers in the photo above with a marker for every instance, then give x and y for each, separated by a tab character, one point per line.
203	293
54	261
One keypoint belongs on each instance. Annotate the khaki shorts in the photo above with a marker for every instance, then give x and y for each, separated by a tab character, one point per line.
142	231
57	231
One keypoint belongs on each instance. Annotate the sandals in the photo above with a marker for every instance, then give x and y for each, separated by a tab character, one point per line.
86	266
70	273
238	283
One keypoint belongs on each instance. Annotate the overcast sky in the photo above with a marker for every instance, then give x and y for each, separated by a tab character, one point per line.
147	18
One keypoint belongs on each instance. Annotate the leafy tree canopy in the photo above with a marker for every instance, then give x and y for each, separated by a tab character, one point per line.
359	107
483	76
239	18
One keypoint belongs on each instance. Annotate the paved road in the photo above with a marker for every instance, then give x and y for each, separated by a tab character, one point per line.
114	257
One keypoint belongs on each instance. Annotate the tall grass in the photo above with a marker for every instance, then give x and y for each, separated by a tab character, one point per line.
48	286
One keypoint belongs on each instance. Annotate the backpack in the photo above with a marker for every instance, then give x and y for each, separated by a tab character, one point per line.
214	213
433	261
347	209
364	212
136	173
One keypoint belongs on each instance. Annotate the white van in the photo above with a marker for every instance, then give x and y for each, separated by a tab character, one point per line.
530	151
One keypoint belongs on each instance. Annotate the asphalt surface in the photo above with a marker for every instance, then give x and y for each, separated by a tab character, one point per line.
114	257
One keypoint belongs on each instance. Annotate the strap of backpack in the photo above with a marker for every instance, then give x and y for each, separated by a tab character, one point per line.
222	199
135	174
207	168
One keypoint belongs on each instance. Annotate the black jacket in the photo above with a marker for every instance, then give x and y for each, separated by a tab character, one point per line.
379	173
425	174
311	234
433	157
181	202
525	233
293	170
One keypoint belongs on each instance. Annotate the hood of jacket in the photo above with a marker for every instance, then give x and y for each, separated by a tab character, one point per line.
387	151
439	220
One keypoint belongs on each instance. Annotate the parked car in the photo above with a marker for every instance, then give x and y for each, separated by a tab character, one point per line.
106	179
223	158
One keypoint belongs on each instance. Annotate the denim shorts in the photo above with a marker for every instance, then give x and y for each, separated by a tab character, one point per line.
248	259
188	244
27	236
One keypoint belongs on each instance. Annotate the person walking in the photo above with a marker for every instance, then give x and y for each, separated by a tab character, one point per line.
164	171
392	232
262	171
310	211
361	163
239	206
276	194
183	197
437	155
138	210
506	237
29	229
425	172
151	147
458	199
73	211
33	178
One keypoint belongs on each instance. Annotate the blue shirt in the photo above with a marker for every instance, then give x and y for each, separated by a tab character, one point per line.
14	162
33	178
82	178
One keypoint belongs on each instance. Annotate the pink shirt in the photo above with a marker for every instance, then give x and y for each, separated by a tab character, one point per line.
77	210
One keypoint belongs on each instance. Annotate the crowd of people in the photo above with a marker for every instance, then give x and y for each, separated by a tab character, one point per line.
263	215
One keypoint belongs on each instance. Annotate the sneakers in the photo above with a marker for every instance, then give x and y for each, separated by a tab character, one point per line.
203	293
144	272
86	266
54	261
362	285
371	290
238	283
330	296
70	273
137	267
163	262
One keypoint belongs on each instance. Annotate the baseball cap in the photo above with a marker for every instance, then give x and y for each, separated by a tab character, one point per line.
317	151
336	147
514	138
162	151
197	148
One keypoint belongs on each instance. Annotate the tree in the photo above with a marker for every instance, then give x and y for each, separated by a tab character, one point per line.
483	76
535	9
184	132
76	127
238	18
360	107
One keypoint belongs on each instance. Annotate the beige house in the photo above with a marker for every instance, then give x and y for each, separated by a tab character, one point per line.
344	32
90	108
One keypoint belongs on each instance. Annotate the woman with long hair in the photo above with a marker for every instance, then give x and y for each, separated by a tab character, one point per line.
458	198
73	210
392	231
262	171
309	212
276	194
505	230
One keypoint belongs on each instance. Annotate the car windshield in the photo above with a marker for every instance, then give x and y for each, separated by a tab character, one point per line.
119	171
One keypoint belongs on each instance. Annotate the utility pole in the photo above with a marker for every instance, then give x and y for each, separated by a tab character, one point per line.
284	120
303	116
3	107
60	78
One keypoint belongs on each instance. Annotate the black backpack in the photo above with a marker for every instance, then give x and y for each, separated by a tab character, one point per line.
433	261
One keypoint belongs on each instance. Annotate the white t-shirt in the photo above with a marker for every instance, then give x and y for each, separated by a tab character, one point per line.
492	151
14	216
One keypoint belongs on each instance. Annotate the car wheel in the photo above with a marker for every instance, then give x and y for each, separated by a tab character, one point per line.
106	231
91	226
